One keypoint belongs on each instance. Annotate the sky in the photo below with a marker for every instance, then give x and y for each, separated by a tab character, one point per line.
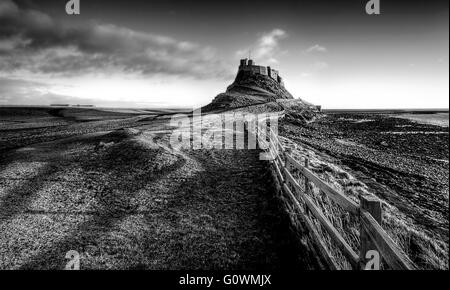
168	53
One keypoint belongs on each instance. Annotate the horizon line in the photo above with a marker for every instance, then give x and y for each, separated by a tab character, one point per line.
189	107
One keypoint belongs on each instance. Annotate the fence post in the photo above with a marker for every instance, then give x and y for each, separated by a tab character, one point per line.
371	205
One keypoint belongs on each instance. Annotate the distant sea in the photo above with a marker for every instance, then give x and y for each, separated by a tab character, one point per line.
438	117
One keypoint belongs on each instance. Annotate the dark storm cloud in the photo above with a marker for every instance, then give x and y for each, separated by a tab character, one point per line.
34	41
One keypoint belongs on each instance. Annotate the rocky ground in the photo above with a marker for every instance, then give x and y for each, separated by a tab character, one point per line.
114	191
403	162
109	186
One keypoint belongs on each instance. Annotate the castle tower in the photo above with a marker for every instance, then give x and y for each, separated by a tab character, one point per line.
248	65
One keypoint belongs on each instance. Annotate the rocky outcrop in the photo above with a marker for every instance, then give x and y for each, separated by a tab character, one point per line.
259	93
249	83
249	89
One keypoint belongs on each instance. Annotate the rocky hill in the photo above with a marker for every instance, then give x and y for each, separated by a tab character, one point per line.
249	89
259	93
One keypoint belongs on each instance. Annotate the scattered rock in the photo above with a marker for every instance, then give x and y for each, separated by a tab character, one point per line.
104	145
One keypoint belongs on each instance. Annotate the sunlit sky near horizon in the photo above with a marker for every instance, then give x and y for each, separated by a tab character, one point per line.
169	53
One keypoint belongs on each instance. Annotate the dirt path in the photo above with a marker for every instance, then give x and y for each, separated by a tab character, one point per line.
125	200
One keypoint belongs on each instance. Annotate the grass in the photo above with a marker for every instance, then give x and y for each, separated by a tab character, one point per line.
125	200
425	247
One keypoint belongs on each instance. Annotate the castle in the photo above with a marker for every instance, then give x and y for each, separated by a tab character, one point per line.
249	66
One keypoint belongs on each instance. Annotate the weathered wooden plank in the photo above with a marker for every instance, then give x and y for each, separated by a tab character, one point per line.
345	248
278	171
272	153
276	140
291	179
338	197
276	155
281	146
308	187
280	160
273	146
348	252
320	245
389	251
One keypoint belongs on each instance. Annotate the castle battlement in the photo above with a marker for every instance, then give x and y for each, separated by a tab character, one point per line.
248	65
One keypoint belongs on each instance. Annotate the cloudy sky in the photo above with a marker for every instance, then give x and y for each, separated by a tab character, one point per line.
157	53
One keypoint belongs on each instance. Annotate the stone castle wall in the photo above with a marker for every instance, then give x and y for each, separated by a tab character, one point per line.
262	70
248	65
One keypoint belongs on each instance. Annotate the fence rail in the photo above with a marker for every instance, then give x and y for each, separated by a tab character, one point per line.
373	238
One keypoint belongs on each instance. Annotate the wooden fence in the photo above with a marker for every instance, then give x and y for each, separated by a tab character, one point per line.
295	182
